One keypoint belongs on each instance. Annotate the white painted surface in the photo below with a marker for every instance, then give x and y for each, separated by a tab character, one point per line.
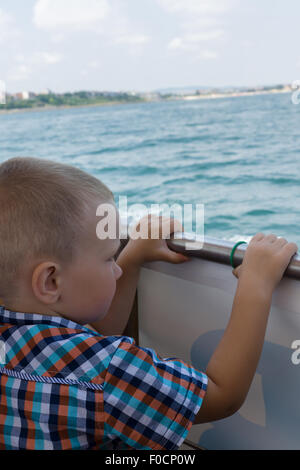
183	311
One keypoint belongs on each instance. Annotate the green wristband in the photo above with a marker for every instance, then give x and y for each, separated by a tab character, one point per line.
233	251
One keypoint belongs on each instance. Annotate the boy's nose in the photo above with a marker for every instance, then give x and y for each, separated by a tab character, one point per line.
118	271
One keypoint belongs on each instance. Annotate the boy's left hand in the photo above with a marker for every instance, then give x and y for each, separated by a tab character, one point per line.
153	247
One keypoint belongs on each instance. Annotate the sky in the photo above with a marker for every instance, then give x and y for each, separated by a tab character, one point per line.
145	45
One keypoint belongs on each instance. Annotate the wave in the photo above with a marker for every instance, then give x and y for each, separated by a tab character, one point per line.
259	212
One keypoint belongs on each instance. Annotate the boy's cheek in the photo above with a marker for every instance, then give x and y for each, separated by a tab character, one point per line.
106	299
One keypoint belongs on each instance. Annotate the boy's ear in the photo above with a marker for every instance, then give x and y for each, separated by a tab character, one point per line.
46	282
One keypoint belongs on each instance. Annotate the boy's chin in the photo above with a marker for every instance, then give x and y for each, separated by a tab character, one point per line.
99	315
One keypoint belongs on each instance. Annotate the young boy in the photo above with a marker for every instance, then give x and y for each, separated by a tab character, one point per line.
65	386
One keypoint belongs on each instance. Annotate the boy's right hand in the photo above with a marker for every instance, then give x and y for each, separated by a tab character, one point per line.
266	260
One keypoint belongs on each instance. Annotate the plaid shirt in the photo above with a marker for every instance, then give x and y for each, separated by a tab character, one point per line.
63	386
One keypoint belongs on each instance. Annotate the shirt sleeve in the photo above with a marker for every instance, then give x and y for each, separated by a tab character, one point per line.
150	402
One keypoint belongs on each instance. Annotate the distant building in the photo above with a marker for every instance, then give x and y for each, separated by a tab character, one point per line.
18	96
150	96
24	95
45	92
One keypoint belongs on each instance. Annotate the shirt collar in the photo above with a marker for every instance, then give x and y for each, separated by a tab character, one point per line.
19	318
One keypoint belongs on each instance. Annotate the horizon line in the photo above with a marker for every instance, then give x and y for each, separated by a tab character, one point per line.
156	90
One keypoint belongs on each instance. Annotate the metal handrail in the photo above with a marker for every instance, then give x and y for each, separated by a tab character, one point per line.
216	250
219	251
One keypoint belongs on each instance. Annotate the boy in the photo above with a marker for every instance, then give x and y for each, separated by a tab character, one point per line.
65	386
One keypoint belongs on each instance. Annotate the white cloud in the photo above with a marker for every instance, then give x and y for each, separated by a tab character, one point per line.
199	21
131	39
8	29
20	73
196	6
198	53
204	36
28	66
70	14
40	58
192	41
247	43
94	64
176	43
103	17
134	43
207	55
48	58
57	38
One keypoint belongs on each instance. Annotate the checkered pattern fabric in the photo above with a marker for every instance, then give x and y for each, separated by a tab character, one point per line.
63	386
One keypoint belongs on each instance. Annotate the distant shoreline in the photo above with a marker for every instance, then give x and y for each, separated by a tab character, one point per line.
55	108
116	103
235	95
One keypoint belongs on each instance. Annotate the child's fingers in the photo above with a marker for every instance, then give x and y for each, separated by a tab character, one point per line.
159	227
173	257
271	238
175	226
280	242
289	250
171	225
178	258
259	236
237	271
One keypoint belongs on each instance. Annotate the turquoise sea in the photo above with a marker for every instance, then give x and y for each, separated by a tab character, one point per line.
240	157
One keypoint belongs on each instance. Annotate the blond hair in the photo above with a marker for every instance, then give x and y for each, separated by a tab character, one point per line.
42	208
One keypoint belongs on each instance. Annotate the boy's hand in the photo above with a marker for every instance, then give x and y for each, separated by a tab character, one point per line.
148	249
266	259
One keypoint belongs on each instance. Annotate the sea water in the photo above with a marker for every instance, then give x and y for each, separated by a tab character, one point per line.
238	156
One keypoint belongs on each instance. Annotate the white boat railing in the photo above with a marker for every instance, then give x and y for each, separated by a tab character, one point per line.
183	311
219	251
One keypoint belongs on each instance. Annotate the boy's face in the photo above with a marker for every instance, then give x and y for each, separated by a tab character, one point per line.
89	283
